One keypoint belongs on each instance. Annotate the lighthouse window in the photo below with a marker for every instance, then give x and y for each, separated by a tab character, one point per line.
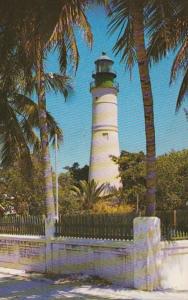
104	66
105	135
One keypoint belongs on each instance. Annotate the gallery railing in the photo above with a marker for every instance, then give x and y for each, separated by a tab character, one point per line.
105	84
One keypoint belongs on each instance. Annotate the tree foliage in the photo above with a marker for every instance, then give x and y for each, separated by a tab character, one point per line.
27	197
132	172
68	202
170	34
19	120
23	195
78	173
88	192
172	180
172	187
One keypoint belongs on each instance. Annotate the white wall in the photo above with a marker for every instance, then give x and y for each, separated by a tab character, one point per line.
111	260
24	253
174	265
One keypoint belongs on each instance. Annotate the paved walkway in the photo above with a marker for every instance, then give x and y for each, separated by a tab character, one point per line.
25	287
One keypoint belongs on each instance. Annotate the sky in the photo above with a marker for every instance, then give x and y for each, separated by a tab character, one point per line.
75	115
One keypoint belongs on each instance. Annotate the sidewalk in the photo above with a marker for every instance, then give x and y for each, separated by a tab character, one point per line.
20	286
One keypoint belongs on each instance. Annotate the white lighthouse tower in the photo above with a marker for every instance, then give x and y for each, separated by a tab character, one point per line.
105	141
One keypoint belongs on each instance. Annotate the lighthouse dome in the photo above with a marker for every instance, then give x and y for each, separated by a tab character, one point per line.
104	57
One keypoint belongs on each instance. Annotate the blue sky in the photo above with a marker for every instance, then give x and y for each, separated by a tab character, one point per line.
74	116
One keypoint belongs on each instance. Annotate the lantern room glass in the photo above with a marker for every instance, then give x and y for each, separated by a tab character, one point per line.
104	66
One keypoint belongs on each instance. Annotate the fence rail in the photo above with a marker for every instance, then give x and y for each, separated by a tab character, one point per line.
174	233
22	225
99	226
174	224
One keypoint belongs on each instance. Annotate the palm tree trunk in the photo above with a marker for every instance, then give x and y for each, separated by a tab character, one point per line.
50	207
138	32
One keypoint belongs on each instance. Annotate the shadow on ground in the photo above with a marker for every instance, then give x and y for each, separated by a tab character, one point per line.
33	287
25	288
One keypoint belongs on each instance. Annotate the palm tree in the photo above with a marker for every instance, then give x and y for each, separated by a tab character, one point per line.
19	114
88	192
35	29
129	17
171	34
60	33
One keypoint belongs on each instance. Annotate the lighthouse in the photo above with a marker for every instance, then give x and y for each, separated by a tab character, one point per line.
105	140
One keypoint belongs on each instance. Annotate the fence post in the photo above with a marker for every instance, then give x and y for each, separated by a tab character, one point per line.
174	218
147	236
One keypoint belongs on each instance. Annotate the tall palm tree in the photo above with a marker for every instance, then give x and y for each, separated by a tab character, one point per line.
37	28
171	34
88	192
129	16
63	37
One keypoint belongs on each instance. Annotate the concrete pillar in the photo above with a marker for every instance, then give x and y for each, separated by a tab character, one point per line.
147	236
49	227
49	234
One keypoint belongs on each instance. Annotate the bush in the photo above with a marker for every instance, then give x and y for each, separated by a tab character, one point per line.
107	207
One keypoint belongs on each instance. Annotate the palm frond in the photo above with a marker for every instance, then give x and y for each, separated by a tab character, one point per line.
167	31
63	36
12	140
58	83
28	109
54	129
180	61
165	28
183	92
122	20
88	192
68	50
29	133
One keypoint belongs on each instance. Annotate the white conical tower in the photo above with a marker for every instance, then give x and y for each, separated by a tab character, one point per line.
105	141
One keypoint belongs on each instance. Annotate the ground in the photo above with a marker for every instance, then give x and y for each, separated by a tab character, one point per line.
17	285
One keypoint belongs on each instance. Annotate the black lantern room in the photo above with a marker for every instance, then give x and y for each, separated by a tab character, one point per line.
104	75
